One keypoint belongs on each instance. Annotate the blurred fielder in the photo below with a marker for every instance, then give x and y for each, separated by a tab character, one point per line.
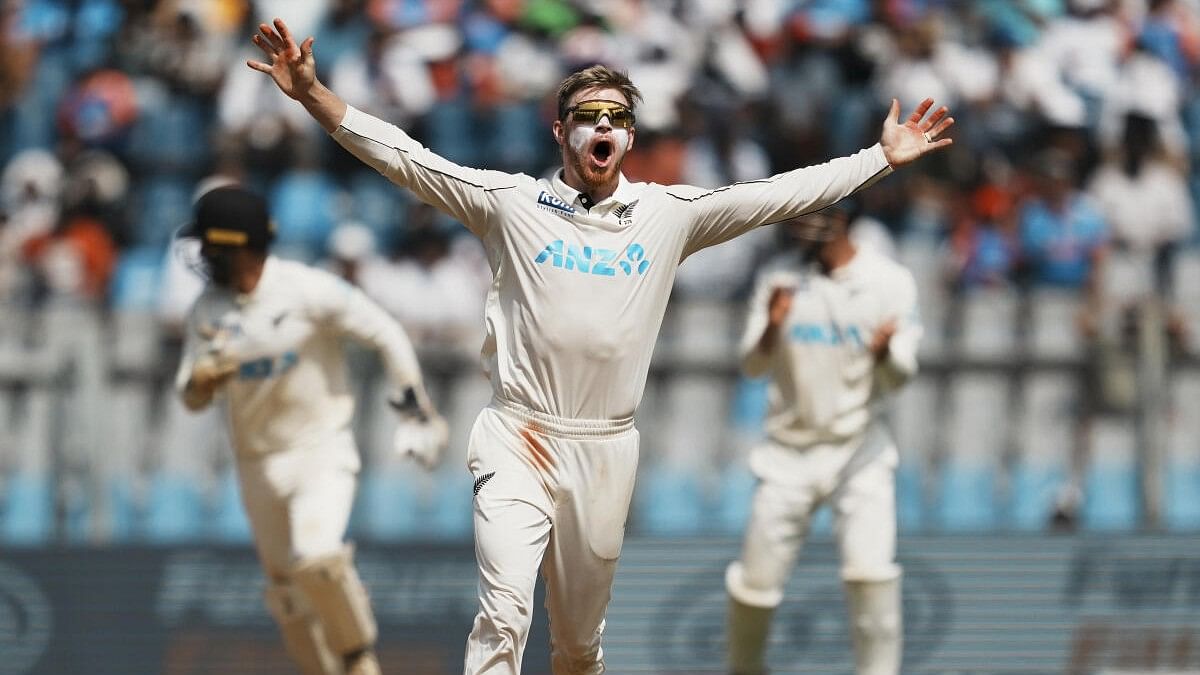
582	266
265	337
835	327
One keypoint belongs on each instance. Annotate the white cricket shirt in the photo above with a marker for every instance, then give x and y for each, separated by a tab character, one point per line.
578	294
823	374
291	386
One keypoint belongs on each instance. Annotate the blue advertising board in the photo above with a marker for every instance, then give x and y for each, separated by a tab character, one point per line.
1005	604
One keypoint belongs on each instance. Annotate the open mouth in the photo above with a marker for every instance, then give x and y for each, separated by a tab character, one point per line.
602	151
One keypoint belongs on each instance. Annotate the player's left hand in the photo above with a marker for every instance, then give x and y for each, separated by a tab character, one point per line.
422	433
882	338
903	143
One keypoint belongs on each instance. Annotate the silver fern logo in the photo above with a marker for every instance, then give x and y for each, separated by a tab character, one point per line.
625	213
25	621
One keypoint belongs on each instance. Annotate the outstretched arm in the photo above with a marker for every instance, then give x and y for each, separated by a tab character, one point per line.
294	70
722	214
464	193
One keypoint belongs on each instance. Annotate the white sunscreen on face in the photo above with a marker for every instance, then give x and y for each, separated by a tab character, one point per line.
582	135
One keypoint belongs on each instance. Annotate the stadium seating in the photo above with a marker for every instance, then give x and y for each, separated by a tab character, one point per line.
1182	467
1110	479
975	444
1048	406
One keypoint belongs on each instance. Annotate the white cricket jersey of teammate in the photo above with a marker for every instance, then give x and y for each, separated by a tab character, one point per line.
824	377
579	291
291	388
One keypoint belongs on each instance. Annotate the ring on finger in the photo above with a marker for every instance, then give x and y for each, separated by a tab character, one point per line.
928	138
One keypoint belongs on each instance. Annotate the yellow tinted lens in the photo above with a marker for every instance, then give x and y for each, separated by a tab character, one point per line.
590	112
586	115
622	118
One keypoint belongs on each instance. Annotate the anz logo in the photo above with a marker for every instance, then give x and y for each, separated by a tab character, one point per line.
549	202
831	334
599	261
268	367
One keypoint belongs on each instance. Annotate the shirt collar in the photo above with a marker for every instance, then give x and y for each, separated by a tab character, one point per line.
623	194
852	268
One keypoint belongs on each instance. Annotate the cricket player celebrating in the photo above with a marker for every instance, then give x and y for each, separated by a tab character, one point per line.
835	327
582	266
265	337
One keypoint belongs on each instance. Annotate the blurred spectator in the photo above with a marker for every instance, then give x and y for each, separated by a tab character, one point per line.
1064	239
433	294
306	203
351	250
174	44
1171	31
1085	48
98	182
341	34
12	271
31	187
721	152
1143	194
75	261
1063	234
984	247
387	77
924	63
18	58
1146	87
1145	198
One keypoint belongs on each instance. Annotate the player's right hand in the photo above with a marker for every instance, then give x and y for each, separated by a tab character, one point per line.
779	305
293	67
210	372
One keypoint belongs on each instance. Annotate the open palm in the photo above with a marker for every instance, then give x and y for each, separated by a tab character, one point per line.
292	67
903	143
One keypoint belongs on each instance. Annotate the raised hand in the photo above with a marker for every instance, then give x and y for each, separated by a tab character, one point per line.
292	67
779	306
903	143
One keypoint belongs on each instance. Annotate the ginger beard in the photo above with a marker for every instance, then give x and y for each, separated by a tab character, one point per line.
596	152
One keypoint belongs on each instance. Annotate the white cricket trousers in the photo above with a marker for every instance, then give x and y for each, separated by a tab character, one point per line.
299	500
550	494
858	482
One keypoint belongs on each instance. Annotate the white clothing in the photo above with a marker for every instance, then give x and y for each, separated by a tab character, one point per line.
824	377
825	445
291	386
858	483
1147	210
438	305
577	298
299	502
289	409
554	494
578	293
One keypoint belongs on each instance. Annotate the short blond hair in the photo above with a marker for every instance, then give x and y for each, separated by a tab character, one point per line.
592	77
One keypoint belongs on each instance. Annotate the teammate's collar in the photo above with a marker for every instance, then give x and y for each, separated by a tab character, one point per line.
623	194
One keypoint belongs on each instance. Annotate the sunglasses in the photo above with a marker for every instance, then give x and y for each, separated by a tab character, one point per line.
590	112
